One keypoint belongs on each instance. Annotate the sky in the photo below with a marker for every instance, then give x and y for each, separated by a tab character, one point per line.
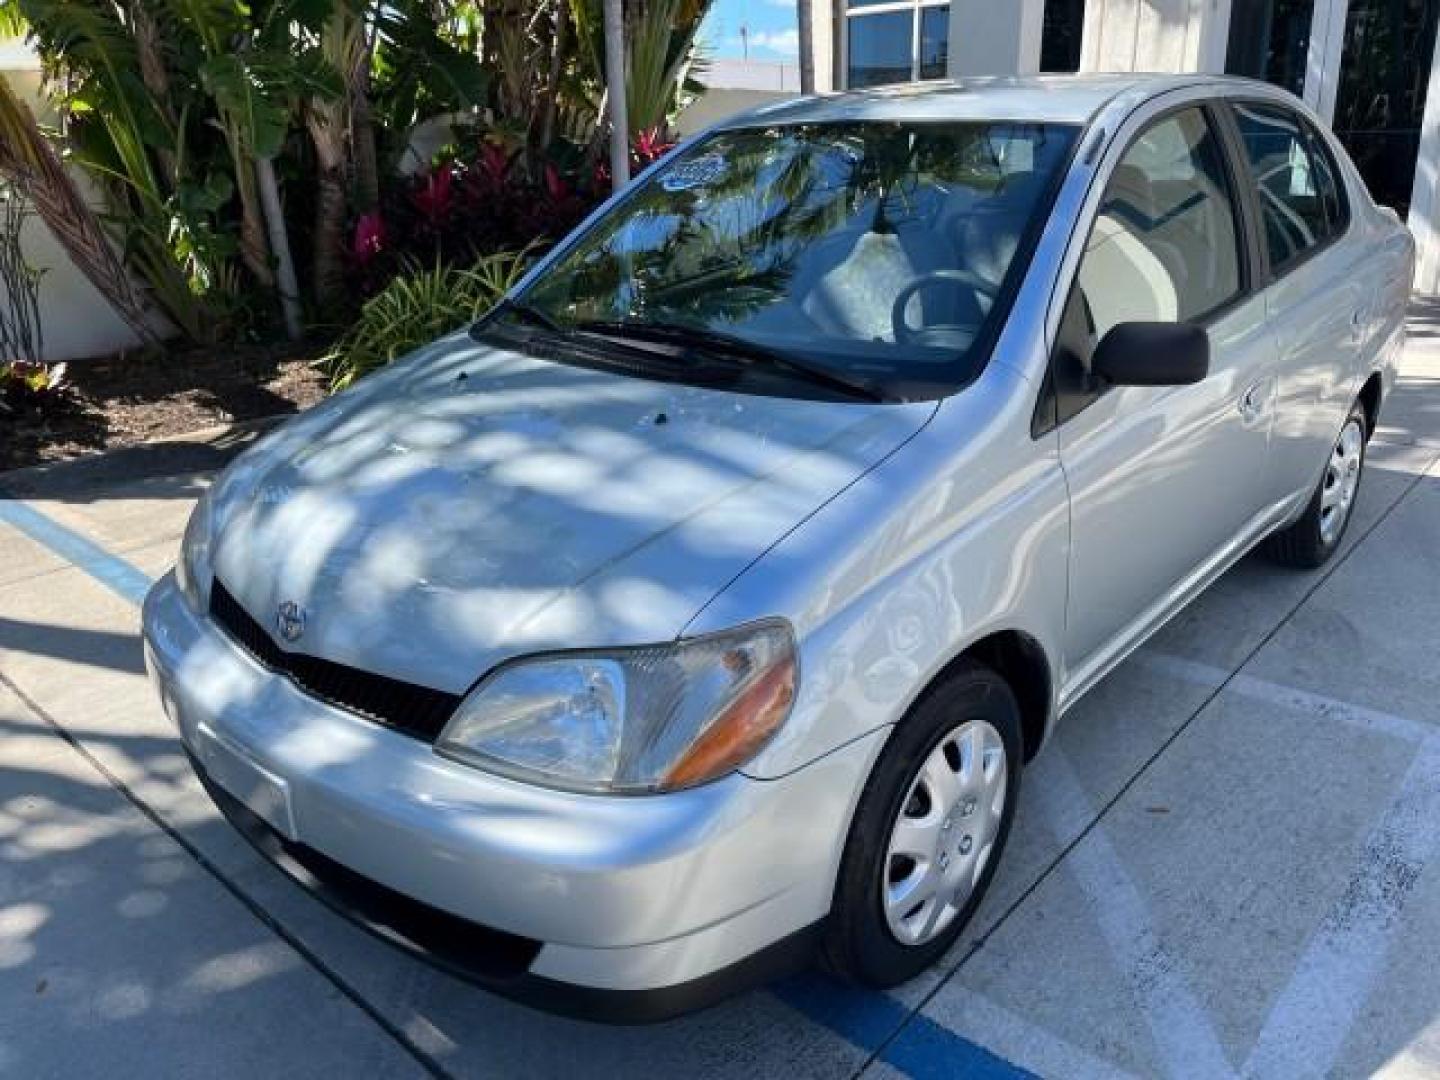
771	26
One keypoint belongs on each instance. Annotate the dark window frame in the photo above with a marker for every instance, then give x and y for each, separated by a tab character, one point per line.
1248	245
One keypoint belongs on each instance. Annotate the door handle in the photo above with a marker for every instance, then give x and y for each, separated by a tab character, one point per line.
1251	403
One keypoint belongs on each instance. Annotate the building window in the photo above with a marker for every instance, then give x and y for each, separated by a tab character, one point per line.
1060	35
895	41
1270	40
1380	101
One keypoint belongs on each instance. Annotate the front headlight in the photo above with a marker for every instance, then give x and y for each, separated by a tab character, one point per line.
192	569
654	718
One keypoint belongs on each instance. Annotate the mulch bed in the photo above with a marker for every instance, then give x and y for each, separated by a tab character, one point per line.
124	400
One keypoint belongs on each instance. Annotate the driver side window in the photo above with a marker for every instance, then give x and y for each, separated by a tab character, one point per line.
1164	247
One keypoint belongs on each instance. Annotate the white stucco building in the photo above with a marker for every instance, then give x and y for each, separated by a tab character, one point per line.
1367	66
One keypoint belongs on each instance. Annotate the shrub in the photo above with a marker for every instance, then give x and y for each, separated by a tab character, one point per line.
417	307
490	199
22	334
32	387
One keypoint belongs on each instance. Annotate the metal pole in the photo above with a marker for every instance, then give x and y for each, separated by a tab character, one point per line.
280	245
805	15
615	93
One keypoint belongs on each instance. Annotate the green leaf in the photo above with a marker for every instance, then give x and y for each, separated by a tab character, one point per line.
421	49
261	114
258	90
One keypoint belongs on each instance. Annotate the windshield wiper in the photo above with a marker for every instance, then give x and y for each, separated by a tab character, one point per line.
526	313
733	347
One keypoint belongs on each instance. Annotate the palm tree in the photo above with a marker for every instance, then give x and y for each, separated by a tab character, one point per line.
656	55
30	163
330	120
615	87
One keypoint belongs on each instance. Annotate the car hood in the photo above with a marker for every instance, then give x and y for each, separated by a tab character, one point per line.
473	503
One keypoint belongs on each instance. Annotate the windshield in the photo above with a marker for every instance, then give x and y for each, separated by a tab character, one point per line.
875	252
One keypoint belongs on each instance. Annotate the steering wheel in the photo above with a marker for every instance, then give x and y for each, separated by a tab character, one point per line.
980	293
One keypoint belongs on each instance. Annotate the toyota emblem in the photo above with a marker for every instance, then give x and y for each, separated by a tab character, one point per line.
290	620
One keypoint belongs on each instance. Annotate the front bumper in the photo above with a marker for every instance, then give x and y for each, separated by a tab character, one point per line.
663	901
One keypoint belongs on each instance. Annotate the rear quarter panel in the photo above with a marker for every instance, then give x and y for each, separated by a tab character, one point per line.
1339	317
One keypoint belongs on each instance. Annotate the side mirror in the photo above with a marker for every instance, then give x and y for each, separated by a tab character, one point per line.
1152	354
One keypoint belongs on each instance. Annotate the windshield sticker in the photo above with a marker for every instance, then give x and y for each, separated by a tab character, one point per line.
699	172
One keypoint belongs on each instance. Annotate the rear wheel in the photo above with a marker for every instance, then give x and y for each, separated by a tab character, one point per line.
928	831
1316	536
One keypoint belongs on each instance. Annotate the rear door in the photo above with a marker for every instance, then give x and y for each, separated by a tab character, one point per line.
1163	480
1318	298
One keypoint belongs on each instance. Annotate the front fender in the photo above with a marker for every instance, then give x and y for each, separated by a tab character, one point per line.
962	532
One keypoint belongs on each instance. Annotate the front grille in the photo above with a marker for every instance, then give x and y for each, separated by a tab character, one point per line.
412	710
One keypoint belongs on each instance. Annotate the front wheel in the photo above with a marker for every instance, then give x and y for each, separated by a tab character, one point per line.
928	830
1312	540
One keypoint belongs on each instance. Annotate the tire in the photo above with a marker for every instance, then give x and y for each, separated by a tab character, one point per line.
1315	537
973	712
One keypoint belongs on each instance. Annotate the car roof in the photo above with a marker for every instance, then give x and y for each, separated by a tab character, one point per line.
1071	99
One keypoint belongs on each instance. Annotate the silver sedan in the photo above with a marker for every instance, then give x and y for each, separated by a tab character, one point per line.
694	614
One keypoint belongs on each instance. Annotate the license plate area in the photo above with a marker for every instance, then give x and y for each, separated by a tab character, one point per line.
261	791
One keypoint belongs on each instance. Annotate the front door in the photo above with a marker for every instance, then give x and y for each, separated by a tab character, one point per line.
1162	479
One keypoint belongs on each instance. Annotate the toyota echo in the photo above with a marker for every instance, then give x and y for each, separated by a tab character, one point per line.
693	615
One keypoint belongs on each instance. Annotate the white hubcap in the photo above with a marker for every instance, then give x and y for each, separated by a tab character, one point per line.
1342	477
945	834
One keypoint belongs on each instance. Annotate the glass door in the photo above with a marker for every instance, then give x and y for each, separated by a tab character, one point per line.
1270	40
1380	102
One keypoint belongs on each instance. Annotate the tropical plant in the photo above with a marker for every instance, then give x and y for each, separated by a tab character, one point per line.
468	206
345	45
417	307
260	63
30	386
22	336
423	66
33	168
175	108
121	130
219	132
662	56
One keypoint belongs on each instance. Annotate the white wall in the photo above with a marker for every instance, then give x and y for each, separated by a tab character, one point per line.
990	38
732	86
1155	35
77	320
721	104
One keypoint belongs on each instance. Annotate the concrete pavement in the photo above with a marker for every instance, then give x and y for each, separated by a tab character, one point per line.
1225	863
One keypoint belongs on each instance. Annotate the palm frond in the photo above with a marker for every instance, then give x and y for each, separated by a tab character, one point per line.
31	164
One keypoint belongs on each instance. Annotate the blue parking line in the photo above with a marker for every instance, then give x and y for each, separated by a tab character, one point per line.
114	573
924	1050
867	1019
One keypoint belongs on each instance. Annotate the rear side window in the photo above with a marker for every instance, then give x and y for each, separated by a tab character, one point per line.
1164	246
1301	200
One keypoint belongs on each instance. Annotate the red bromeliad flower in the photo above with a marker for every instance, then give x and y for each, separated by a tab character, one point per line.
555	186
369	240
432	199
648	145
492	165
